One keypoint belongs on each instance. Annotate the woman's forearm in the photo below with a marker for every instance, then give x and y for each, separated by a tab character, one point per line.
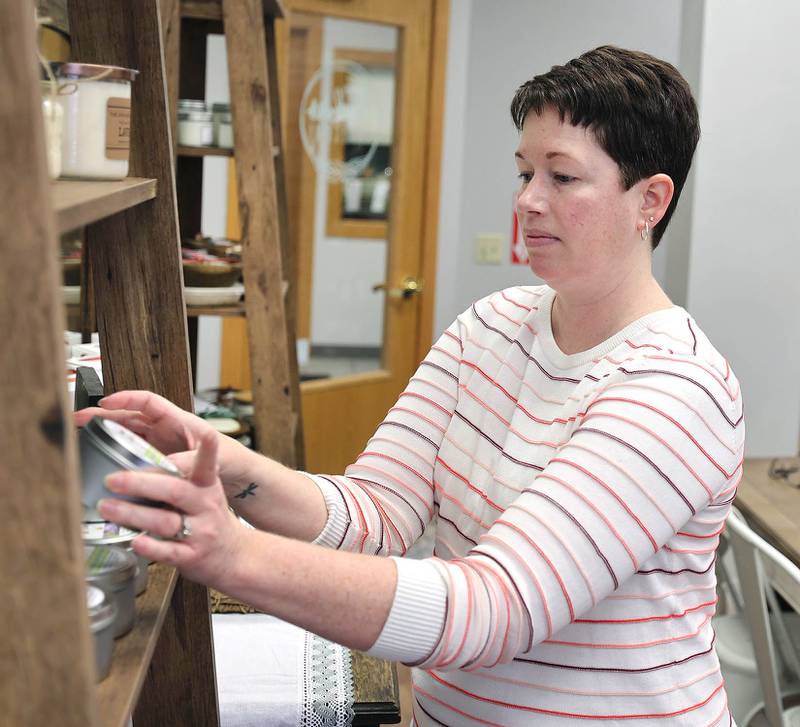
272	497
344	597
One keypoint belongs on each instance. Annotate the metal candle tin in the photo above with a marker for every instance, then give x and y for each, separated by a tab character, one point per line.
105	533
106	447
113	569
102	615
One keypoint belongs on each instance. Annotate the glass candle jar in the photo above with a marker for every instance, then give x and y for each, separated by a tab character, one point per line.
53	122
96	108
224	129
195	128
221	113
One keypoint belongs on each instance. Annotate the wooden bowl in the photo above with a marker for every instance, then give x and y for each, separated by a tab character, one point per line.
225	249
210	274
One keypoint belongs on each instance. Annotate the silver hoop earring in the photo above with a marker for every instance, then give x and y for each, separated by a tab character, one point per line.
645	231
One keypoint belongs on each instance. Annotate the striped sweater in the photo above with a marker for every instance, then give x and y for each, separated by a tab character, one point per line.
578	502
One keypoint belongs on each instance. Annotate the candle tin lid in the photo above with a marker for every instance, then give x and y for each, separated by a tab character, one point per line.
109	563
192	115
104	533
101	608
127	449
91	70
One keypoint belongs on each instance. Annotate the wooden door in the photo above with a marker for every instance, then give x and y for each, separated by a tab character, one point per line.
361	153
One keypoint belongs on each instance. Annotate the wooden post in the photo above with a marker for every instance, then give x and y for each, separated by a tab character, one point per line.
260	219
136	266
46	652
287	254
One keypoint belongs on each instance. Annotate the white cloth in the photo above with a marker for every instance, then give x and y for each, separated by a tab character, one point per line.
270	673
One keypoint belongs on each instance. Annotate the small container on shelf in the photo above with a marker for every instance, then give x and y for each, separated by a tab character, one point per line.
105	533
114	569
210	273
195	124
223	128
96	108
102	614
225	131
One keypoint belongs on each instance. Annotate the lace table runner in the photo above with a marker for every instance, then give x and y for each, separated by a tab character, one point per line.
273	674
327	684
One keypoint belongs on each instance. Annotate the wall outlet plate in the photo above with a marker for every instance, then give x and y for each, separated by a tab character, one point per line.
489	249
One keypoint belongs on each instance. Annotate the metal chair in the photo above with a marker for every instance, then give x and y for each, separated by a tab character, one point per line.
759	648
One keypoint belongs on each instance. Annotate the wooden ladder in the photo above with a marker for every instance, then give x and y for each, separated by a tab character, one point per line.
163	670
266	254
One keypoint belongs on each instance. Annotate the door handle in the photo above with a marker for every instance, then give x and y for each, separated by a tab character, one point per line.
408	288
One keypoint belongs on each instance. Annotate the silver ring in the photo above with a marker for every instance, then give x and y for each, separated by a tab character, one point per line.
185	530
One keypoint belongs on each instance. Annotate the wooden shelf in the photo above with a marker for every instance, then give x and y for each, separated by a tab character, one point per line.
118	692
212	9
79	203
213	151
203	151
215	310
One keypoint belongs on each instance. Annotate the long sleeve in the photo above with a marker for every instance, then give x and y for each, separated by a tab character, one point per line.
384	501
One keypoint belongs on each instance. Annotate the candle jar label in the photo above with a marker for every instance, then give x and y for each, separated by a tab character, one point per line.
118	128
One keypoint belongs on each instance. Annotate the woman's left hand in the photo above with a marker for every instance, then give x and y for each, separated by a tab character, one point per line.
216	537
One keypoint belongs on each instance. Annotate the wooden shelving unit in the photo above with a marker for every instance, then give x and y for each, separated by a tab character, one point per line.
252	68
163	671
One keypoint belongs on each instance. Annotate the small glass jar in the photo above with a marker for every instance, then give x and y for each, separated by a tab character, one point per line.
113	569
105	533
195	128
221	113
96	107
224	128
102	615
105	447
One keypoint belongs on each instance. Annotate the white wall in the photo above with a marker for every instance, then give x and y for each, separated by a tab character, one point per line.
745	248
493	49
675	248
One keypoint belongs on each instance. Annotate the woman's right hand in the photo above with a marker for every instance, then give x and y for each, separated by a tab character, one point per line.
171	430
166	426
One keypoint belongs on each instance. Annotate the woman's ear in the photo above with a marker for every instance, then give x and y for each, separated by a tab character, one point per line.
657	193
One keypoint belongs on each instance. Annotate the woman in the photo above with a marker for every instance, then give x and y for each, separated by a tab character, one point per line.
578	445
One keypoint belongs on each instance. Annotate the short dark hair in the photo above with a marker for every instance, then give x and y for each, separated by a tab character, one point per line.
640	109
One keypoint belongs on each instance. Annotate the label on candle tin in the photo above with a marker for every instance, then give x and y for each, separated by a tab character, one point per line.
106	532
139	447
118	128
